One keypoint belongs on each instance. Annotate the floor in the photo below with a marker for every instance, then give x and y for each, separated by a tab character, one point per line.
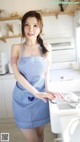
16	135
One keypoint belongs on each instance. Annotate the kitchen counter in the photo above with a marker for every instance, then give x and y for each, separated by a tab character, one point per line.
7	76
64	118
64	74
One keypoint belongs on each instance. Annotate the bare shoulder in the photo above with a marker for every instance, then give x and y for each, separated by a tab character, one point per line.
16	47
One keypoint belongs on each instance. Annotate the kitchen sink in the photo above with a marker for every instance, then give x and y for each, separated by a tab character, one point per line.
63	106
61	111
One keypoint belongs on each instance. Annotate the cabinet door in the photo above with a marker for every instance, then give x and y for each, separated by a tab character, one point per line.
9	86
3	111
63	56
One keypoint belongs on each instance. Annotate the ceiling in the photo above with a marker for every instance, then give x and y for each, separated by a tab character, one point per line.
56	6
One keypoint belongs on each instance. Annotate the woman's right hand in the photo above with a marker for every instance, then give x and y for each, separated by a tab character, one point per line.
45	96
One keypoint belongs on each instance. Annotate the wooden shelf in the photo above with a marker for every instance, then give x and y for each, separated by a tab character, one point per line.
8	37
50	13
10	18
58	13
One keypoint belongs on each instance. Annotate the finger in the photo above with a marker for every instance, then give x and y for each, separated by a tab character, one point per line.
61	95
58	95
54	95
50	96
45	100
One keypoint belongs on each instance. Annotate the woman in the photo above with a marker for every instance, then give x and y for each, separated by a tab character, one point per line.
30	62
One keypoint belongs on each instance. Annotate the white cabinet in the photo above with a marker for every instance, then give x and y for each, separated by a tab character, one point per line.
3	112
63	56
6	89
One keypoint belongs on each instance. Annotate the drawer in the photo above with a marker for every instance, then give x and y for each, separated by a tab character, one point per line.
63	55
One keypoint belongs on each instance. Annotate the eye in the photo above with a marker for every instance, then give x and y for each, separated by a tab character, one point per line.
26	24
35	25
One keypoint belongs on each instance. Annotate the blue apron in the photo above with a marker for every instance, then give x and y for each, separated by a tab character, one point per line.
29	111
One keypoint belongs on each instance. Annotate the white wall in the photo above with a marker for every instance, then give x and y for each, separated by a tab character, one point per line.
6	46
77	33
78	43
59	27
21	6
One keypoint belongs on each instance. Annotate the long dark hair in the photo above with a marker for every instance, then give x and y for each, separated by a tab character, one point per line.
39	19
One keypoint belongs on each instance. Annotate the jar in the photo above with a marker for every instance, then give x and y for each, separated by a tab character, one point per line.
76	66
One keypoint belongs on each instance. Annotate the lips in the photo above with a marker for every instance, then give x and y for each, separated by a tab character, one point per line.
30	34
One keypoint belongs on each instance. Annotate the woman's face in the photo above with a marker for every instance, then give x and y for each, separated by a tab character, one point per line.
31	28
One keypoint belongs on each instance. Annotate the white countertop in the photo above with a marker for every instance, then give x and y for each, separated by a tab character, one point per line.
64	74
7	76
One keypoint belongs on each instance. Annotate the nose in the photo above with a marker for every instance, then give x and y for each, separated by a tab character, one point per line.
30	28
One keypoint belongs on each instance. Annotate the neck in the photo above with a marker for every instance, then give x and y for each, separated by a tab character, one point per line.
31	43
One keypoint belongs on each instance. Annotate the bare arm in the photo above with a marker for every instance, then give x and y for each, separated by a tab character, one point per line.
18	76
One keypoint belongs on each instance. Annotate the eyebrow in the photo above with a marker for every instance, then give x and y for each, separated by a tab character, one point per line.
33	23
